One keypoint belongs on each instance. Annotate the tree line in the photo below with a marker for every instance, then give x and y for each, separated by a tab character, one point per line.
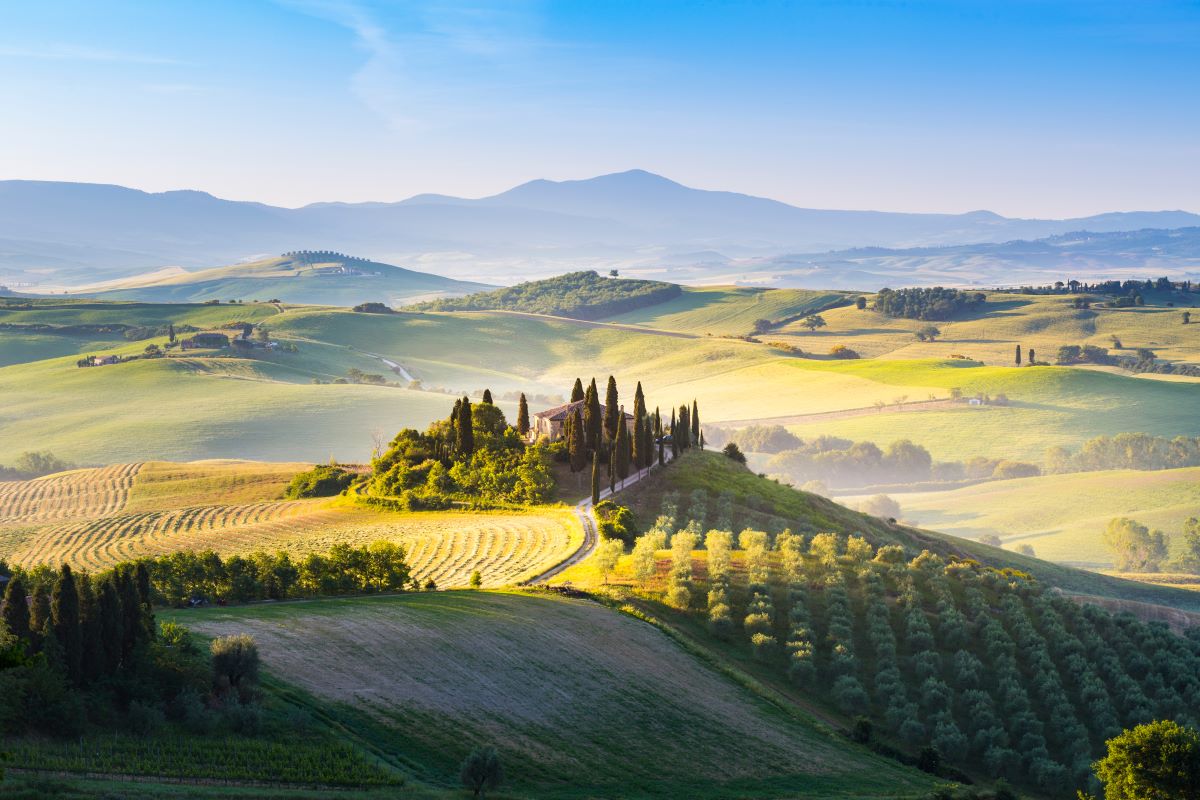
935	303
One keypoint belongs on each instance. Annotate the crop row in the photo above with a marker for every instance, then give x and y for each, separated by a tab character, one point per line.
80	493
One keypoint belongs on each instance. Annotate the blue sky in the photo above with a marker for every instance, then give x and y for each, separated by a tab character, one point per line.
1027	108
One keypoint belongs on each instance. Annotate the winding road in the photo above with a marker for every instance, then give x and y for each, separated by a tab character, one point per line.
587	518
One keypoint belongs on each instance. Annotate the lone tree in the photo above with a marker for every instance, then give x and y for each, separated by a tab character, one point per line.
523	416
1018	357
1187	317
1134	547
762	326
235	662
860	303
481	771
608	553
733	452
1155	761
928	333
813	321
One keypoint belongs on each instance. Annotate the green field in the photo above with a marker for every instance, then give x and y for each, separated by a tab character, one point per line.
990	333
579	700
728	311
1061	516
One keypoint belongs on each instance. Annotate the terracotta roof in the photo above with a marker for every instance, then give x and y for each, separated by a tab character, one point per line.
562	412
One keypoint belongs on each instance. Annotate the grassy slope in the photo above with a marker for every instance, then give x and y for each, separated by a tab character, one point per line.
727	311
1049	406
762	503
580	701
990	334
290	281
1061	516
201	407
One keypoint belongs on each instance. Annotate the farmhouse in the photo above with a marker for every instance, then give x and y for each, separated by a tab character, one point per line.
550	423
205	341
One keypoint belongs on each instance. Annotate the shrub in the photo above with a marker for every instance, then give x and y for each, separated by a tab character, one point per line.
734	453
843	352
320	481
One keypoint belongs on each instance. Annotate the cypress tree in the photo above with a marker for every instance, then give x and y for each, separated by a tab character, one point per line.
1018	355
639	401
487	396
577	444
64	621
612	471
1032	356
466	428
639	442
695	422
171	333
523	416
577	391
39	617
674	437
612	414
145	599
91	631
591	416
16	611
647	444
595	477
131	615
685	428
623	449
658	435
453	426
111	625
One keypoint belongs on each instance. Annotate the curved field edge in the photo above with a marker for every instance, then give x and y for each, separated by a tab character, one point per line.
564	688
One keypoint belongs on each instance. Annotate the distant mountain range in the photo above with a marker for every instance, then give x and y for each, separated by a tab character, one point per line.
71	233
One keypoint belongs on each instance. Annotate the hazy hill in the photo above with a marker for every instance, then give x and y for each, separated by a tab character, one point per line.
321	279
79	233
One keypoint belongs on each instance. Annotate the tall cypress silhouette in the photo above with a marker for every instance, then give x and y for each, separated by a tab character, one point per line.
523	416
591	416
16	611
695	423
466	428
612	414
577	391
595	477
64	622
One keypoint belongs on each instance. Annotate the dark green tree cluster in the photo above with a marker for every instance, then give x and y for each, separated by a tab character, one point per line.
579	295
936	303
474	457
323	480
81	645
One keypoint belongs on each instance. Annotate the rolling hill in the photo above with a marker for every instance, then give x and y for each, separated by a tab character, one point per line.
316	279
580	701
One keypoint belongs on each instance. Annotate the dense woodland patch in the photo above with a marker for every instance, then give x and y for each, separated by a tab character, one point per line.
581	295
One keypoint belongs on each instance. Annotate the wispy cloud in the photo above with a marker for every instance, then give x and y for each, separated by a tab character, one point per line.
428	63
59	51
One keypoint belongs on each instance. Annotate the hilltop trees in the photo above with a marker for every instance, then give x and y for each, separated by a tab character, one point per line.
523	412
934	303
474	455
